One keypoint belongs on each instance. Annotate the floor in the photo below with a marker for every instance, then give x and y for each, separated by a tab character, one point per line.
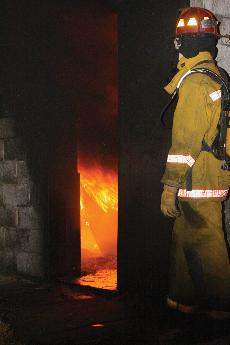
99	272
54	314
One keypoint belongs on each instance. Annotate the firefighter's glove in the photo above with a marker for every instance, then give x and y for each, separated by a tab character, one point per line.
169	202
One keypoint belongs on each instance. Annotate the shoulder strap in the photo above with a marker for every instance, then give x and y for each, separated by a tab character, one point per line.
214	76
166	107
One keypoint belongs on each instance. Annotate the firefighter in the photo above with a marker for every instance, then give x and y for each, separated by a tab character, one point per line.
194	182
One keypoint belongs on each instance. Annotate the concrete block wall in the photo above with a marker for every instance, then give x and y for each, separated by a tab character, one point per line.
222	11
21	231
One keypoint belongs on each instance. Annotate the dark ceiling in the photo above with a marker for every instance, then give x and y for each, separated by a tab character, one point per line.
113	4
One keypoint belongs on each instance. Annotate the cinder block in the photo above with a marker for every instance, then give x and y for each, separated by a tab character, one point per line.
23	174
13	149
8	217
10	238
29	218
7	261
8	172
1	149
23	238
2	237
30	241
217	7
6	128
197	3
1	196
224	27
223	57
16	195
31	264
36	241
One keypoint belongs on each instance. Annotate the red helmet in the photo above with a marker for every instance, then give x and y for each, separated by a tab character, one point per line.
196	20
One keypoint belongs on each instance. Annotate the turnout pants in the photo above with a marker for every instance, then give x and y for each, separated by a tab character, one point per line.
200	269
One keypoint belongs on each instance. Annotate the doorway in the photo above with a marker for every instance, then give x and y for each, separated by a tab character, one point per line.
97	154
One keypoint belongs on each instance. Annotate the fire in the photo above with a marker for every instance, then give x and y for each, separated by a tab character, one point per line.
99	208
102	187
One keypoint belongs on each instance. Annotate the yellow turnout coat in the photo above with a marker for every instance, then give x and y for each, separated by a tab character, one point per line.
195	119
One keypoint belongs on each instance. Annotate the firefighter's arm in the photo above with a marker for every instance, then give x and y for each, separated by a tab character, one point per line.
190	124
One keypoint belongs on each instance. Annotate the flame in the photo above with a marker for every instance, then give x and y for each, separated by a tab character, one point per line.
88	242
99	207
102	187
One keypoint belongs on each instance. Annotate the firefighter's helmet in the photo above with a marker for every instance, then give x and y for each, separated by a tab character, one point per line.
196	20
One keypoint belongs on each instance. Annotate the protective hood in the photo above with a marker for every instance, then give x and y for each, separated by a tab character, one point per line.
192	45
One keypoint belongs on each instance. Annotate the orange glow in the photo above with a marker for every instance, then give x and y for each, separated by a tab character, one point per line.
72	295
99	209
98	325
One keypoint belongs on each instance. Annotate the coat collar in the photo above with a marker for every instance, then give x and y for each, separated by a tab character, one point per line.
184	65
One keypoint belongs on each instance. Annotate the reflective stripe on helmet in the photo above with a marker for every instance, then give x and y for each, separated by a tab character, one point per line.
202	193
192	22
215	95
181	159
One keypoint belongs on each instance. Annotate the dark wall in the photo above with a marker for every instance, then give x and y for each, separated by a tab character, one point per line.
33	51
146	59
59	82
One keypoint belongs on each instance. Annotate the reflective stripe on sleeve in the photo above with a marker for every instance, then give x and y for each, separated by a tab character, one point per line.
202	193
215	95
181	159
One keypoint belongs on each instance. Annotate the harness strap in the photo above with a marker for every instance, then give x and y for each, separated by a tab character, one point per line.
205	147
189	180
164	110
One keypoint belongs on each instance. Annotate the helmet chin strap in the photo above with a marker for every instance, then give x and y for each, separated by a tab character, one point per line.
177	43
